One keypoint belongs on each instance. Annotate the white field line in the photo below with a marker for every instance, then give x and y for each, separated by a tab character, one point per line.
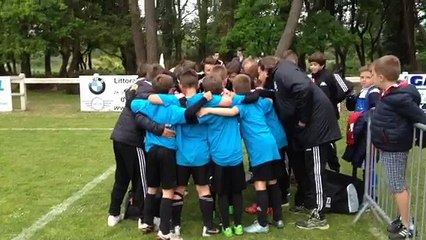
55	129
62	207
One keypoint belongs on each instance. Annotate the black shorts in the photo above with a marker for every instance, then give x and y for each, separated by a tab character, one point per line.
268	171
228	180
161	168
200	175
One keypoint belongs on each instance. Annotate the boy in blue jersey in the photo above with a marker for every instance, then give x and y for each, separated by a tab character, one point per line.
263	153
226	151
190	160
161	159
192	154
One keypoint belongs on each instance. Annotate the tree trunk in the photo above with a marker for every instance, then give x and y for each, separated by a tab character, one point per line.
151	32
128	59
26	64
203	12
168	23
89	59
15	71
47	63
408	19
65	54
76	56
290	28
3	70
138	36
9	68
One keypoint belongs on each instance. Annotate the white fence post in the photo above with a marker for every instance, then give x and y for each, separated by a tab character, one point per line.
23	92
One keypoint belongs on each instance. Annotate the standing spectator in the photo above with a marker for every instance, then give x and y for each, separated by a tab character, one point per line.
314	126
216	57
392	133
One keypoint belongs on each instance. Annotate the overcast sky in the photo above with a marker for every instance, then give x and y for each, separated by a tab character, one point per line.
190	6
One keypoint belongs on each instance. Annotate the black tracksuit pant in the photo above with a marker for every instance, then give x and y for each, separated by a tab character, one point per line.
130	166
315	163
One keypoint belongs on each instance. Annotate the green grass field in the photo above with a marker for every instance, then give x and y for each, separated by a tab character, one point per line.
41	169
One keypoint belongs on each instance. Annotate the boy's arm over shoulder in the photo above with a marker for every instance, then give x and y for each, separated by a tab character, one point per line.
138	105
163	99
409	109
266	104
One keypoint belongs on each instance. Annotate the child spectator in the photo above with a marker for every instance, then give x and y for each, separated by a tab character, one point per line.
392	133
233	68
357	124
327	82
368	96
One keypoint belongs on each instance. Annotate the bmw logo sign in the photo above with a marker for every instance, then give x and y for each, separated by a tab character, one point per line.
97	85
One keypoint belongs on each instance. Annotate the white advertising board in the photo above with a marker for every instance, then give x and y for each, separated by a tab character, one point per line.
418	80
104	93
5	95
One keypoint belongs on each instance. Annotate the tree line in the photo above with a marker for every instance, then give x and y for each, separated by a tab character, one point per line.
355	31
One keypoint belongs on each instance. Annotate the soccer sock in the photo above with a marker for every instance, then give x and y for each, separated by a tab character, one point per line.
206	206
165	215
275	196
237	199
262	203
223	209
148	211
177	206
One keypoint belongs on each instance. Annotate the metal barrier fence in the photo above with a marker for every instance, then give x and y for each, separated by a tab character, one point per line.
377	196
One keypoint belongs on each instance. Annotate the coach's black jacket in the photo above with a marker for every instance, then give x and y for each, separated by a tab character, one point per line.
130	129
392	120
299	99
326	81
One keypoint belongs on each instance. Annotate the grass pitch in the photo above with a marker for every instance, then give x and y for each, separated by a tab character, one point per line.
41	169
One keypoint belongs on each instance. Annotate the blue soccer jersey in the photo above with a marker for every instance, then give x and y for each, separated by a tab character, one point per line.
161	114
260	143
191	139
273	123
224	137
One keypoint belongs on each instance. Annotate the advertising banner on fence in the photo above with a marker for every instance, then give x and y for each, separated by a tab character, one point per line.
5	95
418	80
100	93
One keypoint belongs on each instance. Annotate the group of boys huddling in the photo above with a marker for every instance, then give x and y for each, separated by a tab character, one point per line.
191	126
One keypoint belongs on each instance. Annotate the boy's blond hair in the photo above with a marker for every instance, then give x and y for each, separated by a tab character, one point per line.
220	71
213	83
389	67
365	68
242	84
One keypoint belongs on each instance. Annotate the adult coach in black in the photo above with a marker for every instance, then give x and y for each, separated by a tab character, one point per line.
128	144
306	112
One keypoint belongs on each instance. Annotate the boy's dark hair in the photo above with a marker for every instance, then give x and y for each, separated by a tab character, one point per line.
188	78
220	71
242	84
365	68
213	83
389	66
143	70
318	57
156	69
290	55
268	63
162	83
209	60
185	65
233	67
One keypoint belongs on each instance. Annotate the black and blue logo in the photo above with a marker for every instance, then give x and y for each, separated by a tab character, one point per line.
97	86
